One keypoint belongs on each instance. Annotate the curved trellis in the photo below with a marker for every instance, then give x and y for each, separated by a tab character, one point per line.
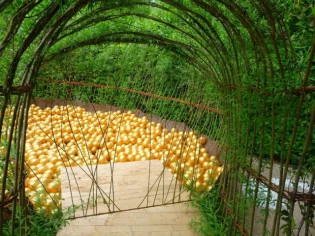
222	39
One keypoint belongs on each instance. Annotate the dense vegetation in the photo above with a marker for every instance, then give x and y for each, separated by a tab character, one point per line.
252	60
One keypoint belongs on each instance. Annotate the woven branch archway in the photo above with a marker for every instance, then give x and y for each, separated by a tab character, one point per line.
249	65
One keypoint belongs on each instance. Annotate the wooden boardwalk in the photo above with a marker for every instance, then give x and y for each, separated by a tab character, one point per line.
170	220
134	187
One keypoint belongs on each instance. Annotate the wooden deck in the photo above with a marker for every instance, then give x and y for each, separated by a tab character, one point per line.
170	220
143	186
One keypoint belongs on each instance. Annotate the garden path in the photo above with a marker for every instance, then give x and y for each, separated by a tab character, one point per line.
131	183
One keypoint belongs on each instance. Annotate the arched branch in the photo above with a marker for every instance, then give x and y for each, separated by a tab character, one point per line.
16	22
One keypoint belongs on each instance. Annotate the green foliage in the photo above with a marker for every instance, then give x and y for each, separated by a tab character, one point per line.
143	68
210	221
139	67
36	223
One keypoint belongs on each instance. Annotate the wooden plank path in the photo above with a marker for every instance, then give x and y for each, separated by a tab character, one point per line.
170	220
145	185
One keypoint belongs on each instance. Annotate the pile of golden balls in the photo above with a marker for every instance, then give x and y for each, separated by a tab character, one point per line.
67	136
